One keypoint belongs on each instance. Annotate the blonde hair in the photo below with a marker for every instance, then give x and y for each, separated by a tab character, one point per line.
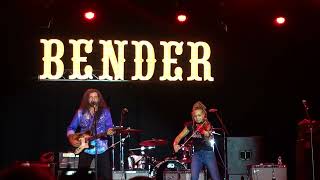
201	106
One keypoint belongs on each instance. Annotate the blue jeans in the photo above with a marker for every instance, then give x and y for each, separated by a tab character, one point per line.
208	159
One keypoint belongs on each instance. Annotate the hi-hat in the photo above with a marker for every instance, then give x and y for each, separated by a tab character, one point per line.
153	142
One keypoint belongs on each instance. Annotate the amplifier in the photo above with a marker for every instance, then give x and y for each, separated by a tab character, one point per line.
181	174
123	175
268	172
70	161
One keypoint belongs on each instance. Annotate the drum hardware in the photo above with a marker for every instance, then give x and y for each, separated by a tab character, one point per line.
142	148
142	161
119	130
172	165
186	155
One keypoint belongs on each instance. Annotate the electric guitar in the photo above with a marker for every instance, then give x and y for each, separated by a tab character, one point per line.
86	137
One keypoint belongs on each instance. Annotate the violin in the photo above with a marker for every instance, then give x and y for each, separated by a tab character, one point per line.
204	126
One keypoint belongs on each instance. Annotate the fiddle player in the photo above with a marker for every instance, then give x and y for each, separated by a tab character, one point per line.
201	129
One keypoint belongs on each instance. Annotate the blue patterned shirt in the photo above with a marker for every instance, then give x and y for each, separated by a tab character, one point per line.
84	120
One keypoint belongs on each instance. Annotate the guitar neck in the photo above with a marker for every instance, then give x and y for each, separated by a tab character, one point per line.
97	136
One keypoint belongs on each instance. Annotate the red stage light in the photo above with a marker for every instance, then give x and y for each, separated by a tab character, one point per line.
280	20
89	15
182	18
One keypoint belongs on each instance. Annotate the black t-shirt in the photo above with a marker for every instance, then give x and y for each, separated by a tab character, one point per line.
198	140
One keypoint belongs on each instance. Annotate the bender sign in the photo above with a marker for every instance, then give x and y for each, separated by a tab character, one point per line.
117	61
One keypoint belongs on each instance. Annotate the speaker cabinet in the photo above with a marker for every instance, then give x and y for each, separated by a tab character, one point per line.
181	174
69	160
243	151
268	172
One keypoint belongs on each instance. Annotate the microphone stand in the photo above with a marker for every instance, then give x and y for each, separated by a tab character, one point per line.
311	139
222	124
225	131
224	151
96	147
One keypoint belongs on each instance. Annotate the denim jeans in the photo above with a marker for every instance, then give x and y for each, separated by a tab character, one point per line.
207	158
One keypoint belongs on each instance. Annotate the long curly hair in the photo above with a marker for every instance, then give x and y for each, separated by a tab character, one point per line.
85	100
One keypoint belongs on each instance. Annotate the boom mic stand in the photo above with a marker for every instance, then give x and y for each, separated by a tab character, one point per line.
224	160
225	132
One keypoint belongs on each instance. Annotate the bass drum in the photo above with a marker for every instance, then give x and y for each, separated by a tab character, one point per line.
167	165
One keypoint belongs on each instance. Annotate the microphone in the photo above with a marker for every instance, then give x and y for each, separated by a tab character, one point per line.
304	102
95	105
213	110
125	110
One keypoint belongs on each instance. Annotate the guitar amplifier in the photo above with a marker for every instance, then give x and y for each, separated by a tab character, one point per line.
267	172
181	174
68	160
123	175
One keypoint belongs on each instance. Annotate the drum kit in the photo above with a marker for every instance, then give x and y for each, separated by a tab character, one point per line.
139	158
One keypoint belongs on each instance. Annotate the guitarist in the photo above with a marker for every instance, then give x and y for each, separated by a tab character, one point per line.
93	112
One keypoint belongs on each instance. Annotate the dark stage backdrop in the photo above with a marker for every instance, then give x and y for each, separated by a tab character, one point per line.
261	72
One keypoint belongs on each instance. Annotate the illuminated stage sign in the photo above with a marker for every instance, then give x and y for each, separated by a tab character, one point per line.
53	52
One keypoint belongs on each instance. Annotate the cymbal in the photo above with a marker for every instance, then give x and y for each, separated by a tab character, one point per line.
306	122
128	131
153	142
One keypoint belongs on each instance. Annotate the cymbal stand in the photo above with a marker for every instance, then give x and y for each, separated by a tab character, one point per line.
122	117
122	151
306	109
112	152
121	144
112	146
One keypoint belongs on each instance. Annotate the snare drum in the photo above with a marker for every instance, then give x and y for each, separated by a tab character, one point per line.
169	165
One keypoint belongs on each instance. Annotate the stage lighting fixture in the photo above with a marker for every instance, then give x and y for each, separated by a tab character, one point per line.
280	20
182	17
89	15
